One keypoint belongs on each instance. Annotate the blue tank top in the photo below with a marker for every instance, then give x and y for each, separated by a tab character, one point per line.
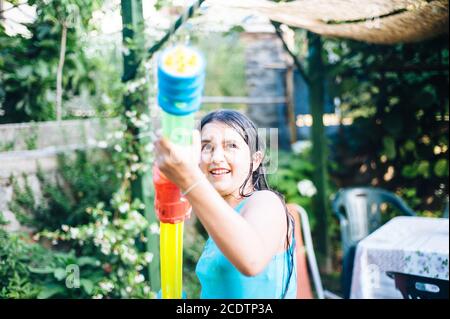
220	279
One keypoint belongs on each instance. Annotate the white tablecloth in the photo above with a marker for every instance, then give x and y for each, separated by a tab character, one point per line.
413	245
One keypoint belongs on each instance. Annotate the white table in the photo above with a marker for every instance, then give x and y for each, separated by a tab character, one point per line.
412	245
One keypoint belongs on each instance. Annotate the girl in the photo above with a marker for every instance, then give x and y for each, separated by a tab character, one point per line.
250	251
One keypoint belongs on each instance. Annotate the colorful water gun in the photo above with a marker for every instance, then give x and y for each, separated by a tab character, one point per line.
181	77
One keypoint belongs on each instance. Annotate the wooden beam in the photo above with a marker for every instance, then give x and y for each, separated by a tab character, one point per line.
290	104
316	73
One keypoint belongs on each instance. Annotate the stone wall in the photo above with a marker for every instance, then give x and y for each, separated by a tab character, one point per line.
47	140
42	135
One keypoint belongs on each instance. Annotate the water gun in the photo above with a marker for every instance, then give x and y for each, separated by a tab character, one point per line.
181	77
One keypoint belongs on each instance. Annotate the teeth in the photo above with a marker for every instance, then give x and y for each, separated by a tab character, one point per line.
219	172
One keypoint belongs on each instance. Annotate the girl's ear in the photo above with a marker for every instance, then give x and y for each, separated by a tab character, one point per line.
257	160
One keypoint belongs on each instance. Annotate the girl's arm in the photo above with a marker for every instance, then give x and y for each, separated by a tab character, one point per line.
250	239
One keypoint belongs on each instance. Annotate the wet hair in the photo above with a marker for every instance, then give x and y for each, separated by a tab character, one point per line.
248	131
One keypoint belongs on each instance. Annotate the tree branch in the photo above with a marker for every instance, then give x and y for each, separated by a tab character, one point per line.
59	89
294	57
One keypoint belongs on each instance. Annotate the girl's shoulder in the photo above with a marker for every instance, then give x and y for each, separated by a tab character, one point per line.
265	194
265	210
266	199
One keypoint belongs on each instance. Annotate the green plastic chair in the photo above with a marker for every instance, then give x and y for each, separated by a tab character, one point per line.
359	211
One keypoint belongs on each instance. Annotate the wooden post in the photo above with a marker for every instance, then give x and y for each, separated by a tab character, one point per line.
142	187
290	103
319	151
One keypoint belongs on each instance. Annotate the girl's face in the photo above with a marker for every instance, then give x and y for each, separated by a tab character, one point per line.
225	158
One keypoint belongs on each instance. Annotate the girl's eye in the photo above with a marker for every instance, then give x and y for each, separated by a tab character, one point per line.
232	145
207	147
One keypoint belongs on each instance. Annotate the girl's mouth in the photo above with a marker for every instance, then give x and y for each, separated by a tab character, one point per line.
217	172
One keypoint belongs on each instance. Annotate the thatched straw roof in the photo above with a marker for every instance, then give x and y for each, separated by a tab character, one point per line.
375	21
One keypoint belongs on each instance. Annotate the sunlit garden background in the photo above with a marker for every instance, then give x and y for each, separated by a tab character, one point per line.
71	161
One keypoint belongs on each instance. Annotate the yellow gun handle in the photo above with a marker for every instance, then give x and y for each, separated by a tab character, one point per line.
171	245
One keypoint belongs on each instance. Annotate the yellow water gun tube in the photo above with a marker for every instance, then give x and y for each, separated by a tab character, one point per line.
181	77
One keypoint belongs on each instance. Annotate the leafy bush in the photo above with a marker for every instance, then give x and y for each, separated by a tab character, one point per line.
80	183
15	277
111	241
29	270
63	275
293	179
89	220
293	170
397	97
29	64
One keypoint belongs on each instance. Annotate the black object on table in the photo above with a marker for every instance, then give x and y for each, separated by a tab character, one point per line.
419	287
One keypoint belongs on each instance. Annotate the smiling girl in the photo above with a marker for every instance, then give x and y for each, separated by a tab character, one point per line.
250	251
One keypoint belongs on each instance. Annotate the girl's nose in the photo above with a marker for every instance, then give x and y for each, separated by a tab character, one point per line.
218	155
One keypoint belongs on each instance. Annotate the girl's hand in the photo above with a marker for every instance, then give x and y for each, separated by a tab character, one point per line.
179	163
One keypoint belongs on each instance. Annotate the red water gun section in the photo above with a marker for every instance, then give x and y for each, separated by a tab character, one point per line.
170	205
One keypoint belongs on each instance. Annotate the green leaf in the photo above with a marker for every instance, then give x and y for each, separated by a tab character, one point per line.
409	171
410	145
441	168
389	147
410	192
24	72
91	261
60	273
49	291
424	168
46	270
87	285
236	28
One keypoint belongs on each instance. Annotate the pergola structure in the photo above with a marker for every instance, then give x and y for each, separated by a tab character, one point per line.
374	21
